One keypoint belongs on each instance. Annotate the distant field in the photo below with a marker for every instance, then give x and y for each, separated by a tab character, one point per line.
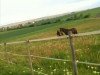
83	25
48	30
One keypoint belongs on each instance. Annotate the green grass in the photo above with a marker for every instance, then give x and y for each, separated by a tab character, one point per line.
83	25
93	12
87	49
49	30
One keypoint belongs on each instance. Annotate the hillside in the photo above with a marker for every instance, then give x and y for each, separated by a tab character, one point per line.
52	57
47	30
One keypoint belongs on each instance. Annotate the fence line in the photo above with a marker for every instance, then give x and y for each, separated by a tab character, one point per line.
48	58
55	37
56	59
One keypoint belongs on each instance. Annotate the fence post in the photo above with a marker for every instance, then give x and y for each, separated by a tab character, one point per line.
75	71
29	56
5	52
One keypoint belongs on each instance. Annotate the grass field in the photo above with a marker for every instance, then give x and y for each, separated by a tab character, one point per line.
49	30
87	49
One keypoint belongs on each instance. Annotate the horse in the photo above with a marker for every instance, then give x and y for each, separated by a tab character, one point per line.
66	31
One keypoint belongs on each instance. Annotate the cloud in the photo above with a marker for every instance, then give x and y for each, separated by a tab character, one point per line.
18	10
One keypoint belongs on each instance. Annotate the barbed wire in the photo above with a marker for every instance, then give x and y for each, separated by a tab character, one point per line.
56	59
55	37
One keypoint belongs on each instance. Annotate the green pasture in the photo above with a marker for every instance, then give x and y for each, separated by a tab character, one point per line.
87	50
83	25
48	30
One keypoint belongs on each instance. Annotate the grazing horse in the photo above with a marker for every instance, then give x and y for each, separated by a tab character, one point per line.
65	31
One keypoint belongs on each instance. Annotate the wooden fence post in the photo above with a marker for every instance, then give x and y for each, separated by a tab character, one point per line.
29	56
5	52
75	71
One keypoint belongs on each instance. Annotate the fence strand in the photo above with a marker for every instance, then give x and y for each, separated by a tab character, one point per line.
55	37
56	59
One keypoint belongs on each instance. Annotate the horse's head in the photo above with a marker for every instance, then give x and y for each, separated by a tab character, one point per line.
59	33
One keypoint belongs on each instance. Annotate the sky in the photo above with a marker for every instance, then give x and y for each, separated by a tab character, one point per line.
19	10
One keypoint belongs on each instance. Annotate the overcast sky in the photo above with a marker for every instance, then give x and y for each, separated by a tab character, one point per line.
19	10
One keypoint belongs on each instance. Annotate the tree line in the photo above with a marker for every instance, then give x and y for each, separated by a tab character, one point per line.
68	17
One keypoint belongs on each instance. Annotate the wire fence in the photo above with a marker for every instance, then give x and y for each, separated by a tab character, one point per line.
55	37
56	59
41	57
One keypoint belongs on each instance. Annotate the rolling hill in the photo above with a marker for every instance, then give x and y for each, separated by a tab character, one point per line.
14	59
47	30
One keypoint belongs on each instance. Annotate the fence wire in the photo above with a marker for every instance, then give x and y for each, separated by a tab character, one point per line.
55	37
48	58
56	59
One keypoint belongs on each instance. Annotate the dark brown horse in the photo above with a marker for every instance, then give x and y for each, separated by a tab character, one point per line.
65	31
